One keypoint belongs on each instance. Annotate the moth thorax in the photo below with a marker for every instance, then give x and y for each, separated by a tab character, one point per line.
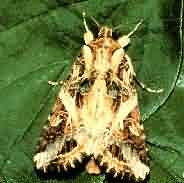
105	32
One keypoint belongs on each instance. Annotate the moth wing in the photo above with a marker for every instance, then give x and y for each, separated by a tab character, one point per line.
56	146
126	152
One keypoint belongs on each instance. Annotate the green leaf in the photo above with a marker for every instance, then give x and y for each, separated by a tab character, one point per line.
38	41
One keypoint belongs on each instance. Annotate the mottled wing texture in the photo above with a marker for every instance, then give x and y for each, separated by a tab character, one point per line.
57	147
126	153
97	115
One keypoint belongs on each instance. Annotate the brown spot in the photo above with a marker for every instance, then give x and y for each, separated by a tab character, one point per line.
135	114
125	94
54	129
49	135
58	112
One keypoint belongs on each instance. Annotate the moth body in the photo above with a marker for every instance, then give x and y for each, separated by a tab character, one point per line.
97	113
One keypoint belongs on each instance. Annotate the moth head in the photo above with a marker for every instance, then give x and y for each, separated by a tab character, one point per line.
105	32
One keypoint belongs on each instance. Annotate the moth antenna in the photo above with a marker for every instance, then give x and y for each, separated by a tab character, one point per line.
135	28
84	21
125	39
95	21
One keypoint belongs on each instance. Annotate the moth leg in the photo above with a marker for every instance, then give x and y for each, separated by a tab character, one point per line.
144	87
88	35
125	40
55	83
69	158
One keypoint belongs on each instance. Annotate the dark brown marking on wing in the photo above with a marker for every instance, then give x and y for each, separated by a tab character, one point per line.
49	135
137	142
123	67
51	131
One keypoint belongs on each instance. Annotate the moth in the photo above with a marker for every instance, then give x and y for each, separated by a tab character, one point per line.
96	114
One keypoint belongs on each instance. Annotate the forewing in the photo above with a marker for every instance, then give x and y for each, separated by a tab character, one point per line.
126	152
57	146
